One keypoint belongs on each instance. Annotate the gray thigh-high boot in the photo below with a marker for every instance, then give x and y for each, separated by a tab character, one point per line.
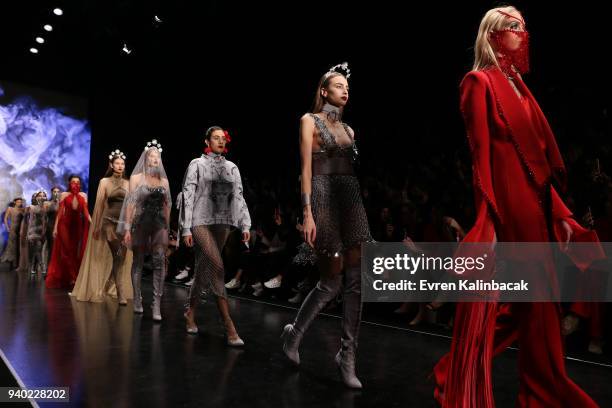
118	252
32	255
35	254
159	274
351	319
325	290
137	279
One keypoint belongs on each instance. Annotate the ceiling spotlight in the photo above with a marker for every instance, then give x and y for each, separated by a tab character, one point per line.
126	49
48	27
157	21
34	50
58	11
40	40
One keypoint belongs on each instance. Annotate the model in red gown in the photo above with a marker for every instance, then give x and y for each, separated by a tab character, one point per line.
515	162
71	228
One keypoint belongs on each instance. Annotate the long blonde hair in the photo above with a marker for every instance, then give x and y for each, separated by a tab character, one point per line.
493	20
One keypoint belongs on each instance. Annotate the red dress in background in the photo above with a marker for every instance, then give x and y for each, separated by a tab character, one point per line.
515	158
70	243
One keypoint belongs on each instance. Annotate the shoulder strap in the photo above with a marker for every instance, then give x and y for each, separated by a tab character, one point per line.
328	139
348	131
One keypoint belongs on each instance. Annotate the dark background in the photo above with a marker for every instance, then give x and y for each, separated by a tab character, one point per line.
253	68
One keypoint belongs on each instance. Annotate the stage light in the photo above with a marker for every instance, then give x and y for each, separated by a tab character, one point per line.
58	11
126	49
157	21
40	40
34	50
48	27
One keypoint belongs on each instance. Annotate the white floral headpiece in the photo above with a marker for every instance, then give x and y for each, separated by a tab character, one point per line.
154	144
116	153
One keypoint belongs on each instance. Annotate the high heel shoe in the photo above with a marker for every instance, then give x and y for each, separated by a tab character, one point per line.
138	309
237	342
417	320
291	342
569	324
345	360
190	329
434	306
156	309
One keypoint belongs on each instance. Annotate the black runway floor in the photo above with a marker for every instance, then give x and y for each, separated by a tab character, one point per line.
110	357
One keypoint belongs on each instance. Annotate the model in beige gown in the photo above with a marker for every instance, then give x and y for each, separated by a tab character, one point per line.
106	265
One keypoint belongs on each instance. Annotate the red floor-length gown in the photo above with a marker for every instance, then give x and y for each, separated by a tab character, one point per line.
69	245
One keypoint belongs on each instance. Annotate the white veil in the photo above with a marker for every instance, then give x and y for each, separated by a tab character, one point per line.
148	201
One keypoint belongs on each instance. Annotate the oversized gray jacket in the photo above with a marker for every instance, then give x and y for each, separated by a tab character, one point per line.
212	194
